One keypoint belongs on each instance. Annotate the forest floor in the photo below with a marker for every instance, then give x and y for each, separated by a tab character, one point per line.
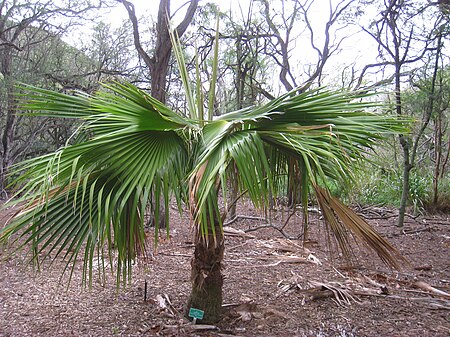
274	286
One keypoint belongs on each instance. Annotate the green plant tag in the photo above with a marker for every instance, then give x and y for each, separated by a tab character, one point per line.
196	313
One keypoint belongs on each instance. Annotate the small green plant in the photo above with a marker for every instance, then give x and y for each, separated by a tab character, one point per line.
376	185
420	191
115	331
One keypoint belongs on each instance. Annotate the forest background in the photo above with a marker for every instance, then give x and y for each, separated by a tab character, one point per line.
398	48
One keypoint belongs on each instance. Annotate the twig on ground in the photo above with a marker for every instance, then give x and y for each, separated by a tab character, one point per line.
237	217
427	229
269	225
237	246
174	254
288	218
236	232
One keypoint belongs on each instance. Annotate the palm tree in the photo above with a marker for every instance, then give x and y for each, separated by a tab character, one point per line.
88	199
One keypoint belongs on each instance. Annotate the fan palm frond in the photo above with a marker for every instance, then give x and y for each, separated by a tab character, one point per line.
77	197
316	136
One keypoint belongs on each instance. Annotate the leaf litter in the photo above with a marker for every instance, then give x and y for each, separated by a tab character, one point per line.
273	287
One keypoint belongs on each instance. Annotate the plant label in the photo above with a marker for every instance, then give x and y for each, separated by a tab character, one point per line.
196	314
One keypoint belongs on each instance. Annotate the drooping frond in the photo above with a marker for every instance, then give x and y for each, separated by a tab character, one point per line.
96	192
344	221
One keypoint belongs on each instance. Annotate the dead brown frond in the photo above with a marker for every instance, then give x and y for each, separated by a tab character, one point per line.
345	223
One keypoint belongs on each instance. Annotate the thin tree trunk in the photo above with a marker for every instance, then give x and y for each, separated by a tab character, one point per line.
407	165
10	123
234	190
206	275
294	183
438	124
405	190
437	158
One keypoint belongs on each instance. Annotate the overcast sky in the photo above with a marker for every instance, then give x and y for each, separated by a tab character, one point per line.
358	48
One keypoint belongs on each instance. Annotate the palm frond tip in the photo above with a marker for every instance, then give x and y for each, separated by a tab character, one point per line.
343	220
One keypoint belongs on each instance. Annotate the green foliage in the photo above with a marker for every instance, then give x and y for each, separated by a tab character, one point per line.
88	199
376	185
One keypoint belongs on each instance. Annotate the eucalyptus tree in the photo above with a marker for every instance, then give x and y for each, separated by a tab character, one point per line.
430	97
106	54
293	22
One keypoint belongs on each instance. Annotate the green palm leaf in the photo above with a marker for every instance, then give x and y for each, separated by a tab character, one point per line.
91	196
323	133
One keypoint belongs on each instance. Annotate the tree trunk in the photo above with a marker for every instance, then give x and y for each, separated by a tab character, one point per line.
158	64
405	191
438	124
7	138
407	164
437	157
206	275
294	183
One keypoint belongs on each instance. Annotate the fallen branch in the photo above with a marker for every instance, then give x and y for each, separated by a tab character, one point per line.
174	254
434	303
379	216
248	217
269	225
237	246
266	224
165	304
236	232
436	221
425	268
201	327
427	229
280	260
425	286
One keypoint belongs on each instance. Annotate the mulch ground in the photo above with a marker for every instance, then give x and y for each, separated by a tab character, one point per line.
274	286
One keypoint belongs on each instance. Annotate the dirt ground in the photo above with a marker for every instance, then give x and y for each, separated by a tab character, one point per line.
274	286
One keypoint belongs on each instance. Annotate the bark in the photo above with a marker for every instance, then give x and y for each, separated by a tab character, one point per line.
158	63
437	158
234	190
206	275
405	190
438	130
407	165
10	116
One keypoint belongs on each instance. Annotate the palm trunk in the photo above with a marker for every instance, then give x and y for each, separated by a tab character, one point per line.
206	275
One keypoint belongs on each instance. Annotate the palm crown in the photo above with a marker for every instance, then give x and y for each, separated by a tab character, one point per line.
134	150
138	149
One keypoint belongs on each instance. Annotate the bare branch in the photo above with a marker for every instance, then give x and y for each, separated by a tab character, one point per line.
137	41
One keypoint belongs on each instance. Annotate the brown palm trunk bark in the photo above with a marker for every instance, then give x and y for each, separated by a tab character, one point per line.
206	275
